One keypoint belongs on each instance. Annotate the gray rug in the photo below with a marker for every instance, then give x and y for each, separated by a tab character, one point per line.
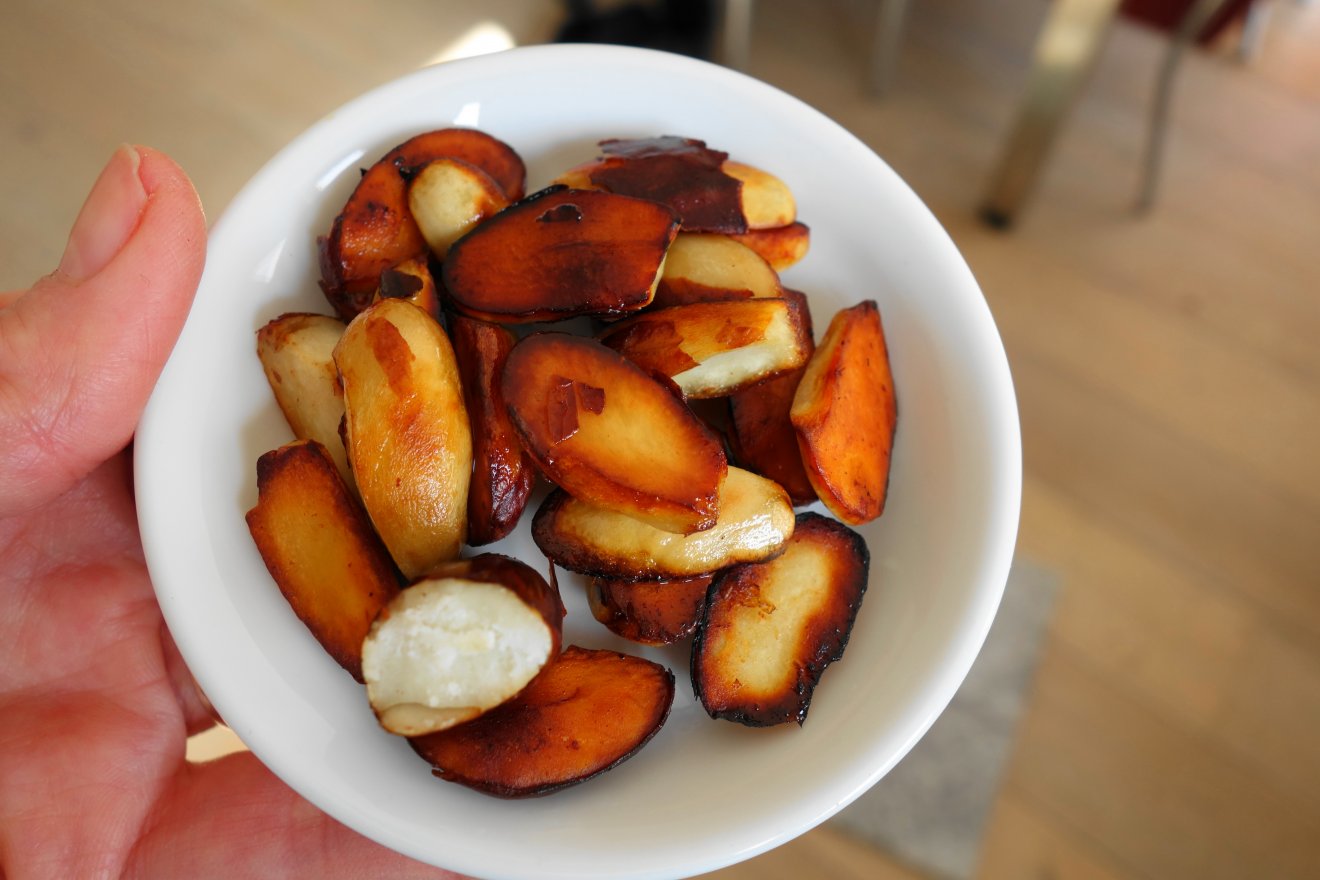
930	811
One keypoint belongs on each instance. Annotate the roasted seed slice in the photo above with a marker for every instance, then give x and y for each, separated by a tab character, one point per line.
376	229
711	349
845	413
297	353
558	254
407	432
771	628
320	548
755	520
463	639
587	712
649	612
610	434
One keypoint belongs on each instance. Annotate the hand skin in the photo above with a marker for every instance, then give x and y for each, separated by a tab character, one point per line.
95	702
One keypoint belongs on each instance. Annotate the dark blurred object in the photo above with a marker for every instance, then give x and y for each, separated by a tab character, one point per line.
1069	43
1166	15
682	26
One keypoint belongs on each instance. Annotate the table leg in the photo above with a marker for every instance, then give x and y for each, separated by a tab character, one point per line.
1065	52
888	43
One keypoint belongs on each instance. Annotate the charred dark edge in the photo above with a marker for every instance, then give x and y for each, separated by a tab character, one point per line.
534	316
618	619
815	668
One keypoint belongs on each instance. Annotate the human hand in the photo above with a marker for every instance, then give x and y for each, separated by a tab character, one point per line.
95	702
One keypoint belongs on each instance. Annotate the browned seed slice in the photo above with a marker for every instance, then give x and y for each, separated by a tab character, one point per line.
407	432
320	548
560	253
464	638
585	713
755	519
297	354
649	612
771	628
711	349
845	412
608	433
503	473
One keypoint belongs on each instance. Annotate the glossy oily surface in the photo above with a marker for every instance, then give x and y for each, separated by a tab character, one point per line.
940	554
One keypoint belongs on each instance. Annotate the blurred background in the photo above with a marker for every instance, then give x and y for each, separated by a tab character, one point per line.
1161	712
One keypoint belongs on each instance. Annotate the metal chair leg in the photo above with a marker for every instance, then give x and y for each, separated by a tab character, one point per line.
735	33
888	43
1066	50
1193	22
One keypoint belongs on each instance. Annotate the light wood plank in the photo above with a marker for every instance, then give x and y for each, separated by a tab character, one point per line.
1156	798
1022	842
1201	659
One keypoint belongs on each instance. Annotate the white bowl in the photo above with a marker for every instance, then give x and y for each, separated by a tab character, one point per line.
703	793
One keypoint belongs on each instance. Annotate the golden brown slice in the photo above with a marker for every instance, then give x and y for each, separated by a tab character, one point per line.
755	520
412	281
503	474
771	628
320	549
297	353
610	434
463	639
845	413
587	712
447	197
780	246
710	193
407	432
558	254
761	433
701	267
649	612
376	229
767	202
710	349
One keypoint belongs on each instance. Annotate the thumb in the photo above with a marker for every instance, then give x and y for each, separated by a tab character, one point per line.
81	350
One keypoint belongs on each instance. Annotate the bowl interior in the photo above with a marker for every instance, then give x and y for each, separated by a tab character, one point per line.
703	793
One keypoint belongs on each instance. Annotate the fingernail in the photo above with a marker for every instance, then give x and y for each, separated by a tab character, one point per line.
107	218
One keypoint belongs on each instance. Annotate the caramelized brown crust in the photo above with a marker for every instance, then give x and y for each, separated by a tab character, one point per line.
412	282
679	172
586	712
780	246
761	433
376	230
845	414
492	155
503	474
610	434
558	254
649	612
770	629
320	548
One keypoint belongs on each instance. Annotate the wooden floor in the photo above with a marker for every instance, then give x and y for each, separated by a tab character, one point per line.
1168	367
